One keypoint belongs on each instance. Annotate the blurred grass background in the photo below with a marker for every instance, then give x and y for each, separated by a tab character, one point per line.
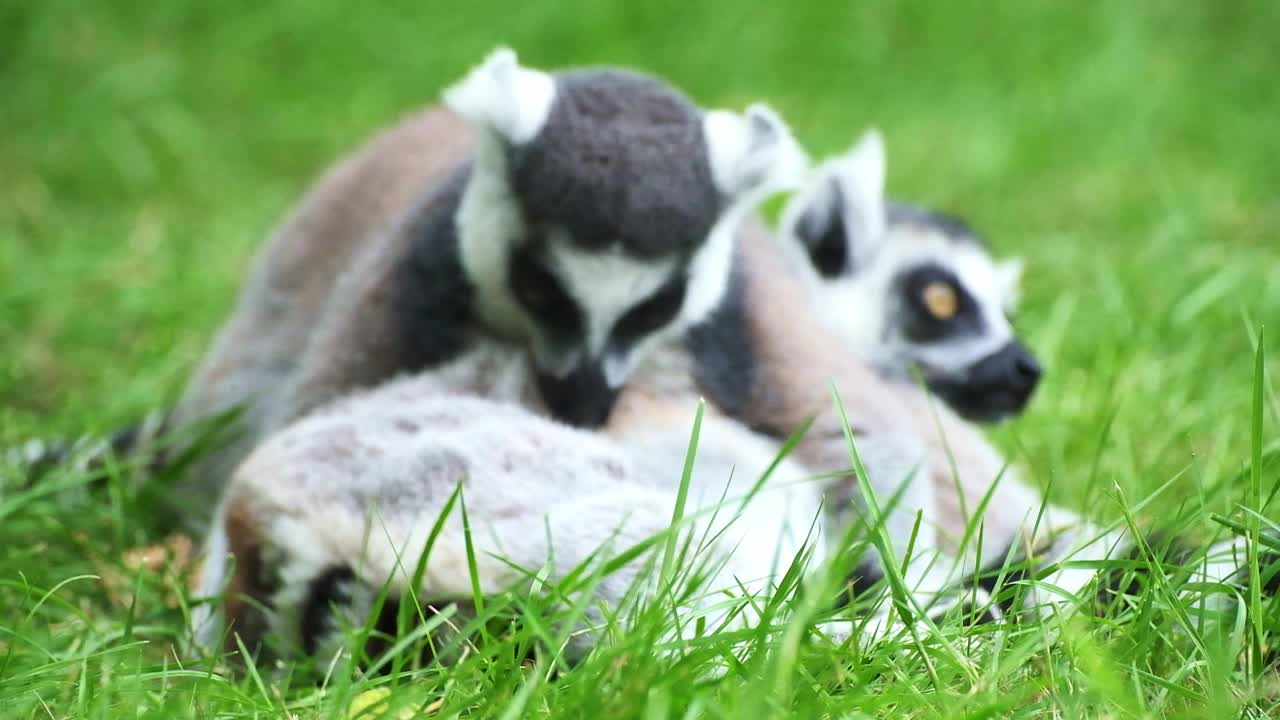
1131	151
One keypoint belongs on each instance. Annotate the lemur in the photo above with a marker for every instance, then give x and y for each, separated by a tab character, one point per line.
330	510
575	218
930	298
928	295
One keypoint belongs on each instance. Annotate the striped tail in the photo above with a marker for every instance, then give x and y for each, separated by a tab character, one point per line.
38	457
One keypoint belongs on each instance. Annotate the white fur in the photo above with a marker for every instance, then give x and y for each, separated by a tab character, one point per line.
205	620
707	283
753	154
862	171
1009	281
502	97
606	285
489	225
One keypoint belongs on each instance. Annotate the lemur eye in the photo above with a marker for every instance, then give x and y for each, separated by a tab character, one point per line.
940	299
653	313
537	289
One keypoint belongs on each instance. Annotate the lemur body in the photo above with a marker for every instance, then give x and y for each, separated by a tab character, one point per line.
575	219
353	490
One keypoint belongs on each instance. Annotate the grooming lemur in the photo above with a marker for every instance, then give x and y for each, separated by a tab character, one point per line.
741	361
575	218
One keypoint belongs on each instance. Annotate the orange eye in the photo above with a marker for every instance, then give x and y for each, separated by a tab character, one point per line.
940	299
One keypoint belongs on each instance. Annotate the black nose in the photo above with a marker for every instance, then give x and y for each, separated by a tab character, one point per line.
993	388
1025	370
582	398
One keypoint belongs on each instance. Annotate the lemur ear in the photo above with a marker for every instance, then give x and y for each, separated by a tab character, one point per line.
1009	278
752	154
839	216
500	95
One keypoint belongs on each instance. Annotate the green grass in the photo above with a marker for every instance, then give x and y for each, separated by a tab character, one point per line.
1129	150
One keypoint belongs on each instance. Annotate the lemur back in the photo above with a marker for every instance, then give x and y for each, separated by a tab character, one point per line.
260	347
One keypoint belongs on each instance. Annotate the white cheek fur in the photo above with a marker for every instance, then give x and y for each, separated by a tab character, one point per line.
488	226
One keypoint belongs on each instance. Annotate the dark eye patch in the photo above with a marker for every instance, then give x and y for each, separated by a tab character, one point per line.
539	291
920	324
654	313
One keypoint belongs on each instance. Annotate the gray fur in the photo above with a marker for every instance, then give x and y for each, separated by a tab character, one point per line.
592	169
905	215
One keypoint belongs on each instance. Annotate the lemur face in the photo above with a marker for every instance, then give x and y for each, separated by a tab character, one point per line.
599	215
909	289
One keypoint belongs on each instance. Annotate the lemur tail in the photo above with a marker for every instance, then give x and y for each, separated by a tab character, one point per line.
37	456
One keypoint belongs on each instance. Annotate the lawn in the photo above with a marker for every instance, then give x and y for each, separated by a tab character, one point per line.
1127	150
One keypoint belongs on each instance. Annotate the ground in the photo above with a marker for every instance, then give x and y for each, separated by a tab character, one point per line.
1127	150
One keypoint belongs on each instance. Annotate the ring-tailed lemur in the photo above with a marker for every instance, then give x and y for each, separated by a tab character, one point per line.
909	289
576	218
937	302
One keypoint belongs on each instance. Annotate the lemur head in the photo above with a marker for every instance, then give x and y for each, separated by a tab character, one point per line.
910	289
599	215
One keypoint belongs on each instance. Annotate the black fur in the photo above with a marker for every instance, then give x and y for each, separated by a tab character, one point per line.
921	326
328	589
1118	583
953	226
120	444
723	350
865	578
621	163
1269	571
582	398
1001	579
994	387
332	589
657	311
541	294
824	235
433	298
